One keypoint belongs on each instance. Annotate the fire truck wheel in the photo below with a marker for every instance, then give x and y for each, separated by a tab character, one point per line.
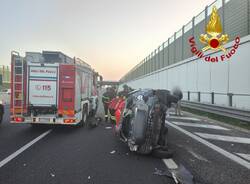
92	122
92	113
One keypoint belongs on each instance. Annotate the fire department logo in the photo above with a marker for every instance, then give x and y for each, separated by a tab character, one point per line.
214	39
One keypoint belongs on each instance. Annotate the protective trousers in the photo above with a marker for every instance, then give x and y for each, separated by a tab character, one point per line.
106	111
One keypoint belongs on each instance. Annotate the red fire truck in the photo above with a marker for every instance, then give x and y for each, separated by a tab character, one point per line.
51	88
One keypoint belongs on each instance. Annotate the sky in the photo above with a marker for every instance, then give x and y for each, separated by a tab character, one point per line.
111	35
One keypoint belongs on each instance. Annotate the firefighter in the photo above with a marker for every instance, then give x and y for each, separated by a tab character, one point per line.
178	94
106	98
124	93
115	106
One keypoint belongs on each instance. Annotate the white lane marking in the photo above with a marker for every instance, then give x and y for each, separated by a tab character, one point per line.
224	138
212	146
183	118
200	125
170	163
15	154
245	156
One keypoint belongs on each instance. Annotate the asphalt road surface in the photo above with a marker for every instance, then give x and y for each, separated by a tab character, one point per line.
212	153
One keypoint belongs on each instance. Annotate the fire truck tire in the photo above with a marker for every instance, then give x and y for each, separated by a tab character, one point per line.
92	113
92	122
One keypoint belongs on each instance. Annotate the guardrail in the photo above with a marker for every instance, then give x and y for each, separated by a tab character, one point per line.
240	114
212	95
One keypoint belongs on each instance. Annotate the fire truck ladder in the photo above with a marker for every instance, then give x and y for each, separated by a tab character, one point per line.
18	88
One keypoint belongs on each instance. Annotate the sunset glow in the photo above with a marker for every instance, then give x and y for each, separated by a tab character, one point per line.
111	35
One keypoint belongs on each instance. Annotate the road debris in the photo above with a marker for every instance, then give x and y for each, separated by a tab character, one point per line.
108	127
175	178
180	175
24	165
52	175
192	160
162	173
112	152
89	177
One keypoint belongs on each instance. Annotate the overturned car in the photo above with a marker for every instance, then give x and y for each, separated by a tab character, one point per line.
140	121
